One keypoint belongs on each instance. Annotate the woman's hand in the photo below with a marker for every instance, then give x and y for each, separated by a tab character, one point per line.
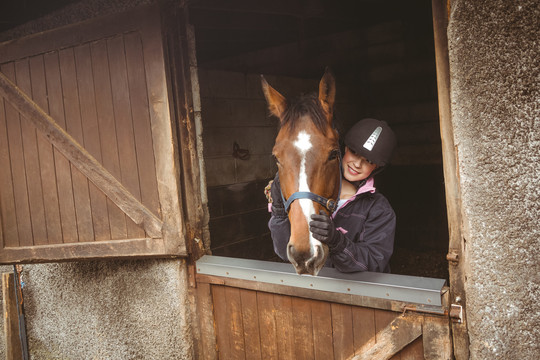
323	229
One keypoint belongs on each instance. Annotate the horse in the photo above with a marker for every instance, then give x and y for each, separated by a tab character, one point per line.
309	166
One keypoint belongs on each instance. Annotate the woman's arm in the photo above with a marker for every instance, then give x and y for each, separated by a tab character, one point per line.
368	242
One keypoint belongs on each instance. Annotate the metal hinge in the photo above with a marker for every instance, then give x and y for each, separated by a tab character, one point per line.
452	256
456	313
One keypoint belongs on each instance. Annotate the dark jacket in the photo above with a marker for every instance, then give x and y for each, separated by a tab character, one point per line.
367	226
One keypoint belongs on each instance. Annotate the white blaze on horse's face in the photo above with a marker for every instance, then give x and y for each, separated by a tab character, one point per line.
303	144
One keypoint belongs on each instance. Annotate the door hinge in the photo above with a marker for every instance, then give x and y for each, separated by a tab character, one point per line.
456	313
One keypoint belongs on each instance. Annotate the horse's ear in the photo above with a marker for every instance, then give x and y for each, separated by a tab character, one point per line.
327	93
276	102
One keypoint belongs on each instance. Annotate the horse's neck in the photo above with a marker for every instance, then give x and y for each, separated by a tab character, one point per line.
348	190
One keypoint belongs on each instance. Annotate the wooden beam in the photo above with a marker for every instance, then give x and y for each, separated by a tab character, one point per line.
11	318
436	338
402	331
81	158
132	248
451	176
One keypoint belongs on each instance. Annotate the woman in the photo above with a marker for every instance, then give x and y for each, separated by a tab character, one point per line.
360	233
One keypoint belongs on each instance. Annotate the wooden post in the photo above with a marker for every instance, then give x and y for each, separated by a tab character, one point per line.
436	337
451	177
11	318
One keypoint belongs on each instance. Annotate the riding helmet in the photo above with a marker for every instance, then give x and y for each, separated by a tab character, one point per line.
372	139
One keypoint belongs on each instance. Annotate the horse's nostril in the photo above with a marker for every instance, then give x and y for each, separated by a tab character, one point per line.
290	249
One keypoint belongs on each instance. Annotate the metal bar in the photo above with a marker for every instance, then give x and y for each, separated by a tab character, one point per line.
410	289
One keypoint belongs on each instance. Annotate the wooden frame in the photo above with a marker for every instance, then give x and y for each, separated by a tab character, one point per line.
455	255
81	159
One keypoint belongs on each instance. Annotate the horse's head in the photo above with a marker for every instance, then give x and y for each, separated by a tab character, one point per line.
307	154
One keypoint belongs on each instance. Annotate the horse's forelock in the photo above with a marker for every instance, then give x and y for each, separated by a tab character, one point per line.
305	105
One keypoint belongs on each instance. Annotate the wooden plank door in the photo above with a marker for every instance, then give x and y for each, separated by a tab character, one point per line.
87	148
253	324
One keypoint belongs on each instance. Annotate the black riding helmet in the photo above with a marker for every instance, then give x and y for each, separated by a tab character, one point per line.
372	139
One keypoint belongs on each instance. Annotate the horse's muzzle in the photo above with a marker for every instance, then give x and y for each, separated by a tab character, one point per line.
309	261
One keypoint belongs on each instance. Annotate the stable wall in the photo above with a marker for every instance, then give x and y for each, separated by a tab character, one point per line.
495	93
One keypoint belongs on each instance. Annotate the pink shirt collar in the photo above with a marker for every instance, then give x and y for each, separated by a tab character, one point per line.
369	186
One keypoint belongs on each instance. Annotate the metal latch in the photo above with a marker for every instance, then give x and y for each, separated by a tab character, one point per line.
452	256
456	313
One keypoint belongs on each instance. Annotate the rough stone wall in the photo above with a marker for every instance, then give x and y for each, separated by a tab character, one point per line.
495	88
122	309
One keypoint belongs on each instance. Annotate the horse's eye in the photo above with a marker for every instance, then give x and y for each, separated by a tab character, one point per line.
333	154
276	159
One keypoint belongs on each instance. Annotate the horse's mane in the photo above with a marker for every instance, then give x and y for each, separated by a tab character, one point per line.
306	104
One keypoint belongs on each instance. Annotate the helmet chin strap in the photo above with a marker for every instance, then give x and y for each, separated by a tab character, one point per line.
361	183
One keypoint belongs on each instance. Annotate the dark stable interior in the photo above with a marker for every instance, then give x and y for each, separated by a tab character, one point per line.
382	52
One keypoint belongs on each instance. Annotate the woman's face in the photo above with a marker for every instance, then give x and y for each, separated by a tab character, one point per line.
356	167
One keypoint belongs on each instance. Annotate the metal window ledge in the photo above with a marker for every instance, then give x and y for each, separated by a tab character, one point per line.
413	289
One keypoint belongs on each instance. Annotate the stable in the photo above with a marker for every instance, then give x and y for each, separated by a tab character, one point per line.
135	146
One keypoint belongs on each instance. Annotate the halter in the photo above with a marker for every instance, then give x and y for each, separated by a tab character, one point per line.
330	204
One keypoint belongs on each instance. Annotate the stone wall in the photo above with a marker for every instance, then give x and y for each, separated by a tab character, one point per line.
117	309
495	89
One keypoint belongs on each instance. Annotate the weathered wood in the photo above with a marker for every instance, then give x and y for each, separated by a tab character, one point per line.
181	48
205	340
284	322
46	156
145	247
343	331
11	318
370	302
222	327
250	321
70	94
323	330
437	340
451	175
364	332
91	141
31	162
303	336
107	130
268	327
413	351
395	336
124	123
235	324
71	35
18	171
163	138
80	157
63	168
8	230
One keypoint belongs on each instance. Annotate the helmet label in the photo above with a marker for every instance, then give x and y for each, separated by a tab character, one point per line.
370	142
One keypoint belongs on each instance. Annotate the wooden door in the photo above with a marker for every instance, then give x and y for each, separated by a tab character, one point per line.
87	149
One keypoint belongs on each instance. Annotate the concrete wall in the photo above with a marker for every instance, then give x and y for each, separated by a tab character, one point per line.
495	89
107	310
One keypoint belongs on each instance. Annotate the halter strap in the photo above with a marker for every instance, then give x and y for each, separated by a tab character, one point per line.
330	204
